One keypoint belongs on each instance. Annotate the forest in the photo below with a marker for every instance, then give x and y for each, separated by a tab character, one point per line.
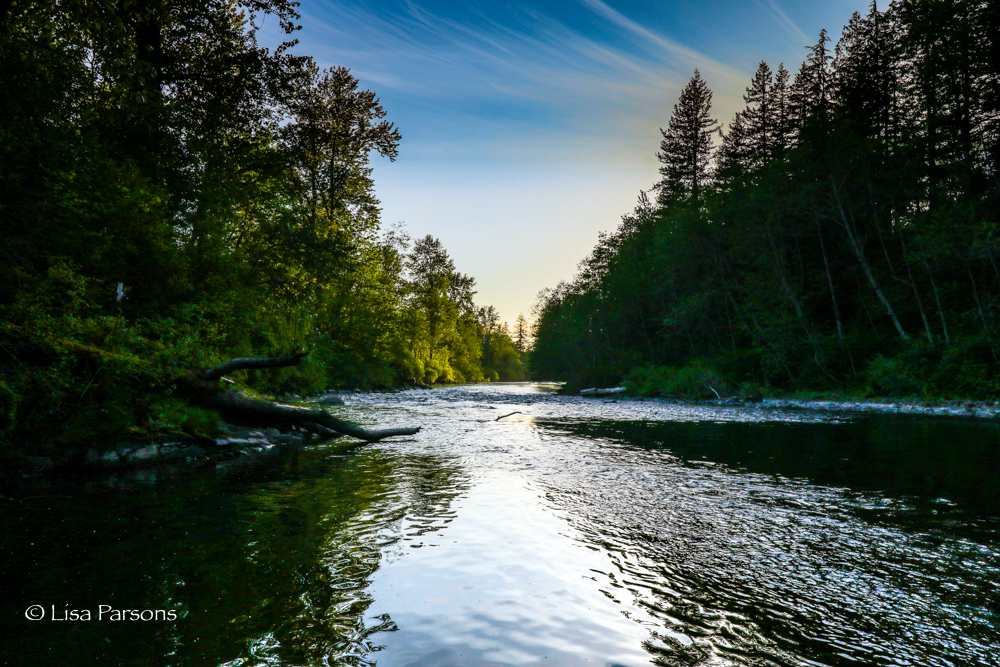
173	194
839	235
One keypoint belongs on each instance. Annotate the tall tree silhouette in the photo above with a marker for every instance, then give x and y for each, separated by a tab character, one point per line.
810	92
781	110
863	74
686	148
759	114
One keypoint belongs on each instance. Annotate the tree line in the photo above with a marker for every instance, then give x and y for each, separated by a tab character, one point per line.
173	192
839	234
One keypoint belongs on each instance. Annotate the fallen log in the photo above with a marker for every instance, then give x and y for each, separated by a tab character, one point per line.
613	391
239	409
250	363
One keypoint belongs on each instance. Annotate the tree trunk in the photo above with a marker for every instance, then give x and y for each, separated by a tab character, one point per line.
859	253
979	307
240	409
829	282
916	292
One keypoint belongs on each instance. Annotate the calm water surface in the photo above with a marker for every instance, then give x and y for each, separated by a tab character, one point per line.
578	532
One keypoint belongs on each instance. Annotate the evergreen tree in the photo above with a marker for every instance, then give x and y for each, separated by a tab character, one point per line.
781	111
522	334
810	92
759	116
878	221
686	148
735	155
863	78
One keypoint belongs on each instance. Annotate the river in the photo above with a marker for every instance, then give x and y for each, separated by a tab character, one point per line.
575	532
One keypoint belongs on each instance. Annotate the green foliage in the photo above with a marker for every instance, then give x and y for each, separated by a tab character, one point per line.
890	377
961	370
227	188
694	381
173	414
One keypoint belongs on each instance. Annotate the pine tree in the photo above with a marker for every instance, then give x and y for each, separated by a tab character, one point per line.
810	92
759	115
781	112
736	152
686	149
522	333
863	79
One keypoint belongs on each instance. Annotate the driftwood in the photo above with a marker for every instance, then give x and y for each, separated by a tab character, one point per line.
613	391
240	409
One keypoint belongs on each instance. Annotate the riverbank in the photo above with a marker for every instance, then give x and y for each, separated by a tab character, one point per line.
169	449
227	442
233	442
978	409
983	409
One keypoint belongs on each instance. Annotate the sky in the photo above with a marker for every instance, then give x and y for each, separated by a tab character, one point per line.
530	127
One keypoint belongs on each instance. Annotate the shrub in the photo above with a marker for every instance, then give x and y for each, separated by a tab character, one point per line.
695	380
890	377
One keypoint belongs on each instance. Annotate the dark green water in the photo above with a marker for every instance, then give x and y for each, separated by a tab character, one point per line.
575	533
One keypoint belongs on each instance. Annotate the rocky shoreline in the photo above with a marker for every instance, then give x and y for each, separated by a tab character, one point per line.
181	449
235	442
966	409
943	408
974	409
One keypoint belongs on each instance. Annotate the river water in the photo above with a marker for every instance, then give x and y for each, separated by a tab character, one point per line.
576	532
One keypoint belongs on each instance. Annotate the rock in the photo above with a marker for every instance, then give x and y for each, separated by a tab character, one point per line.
330	399
144	453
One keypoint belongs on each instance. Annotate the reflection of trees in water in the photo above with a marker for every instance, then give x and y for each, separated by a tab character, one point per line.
349	516
391	497
741	564
929	458
270	566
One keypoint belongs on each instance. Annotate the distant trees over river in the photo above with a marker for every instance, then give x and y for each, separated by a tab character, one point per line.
841	232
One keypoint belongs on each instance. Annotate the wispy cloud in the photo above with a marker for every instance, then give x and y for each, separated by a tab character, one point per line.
679	52
530	77
785	23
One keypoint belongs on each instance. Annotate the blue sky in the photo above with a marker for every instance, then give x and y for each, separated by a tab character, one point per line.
529	127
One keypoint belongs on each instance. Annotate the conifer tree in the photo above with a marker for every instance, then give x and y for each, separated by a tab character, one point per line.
863	77
781	112
522	333
686	148
759	114
810	92
735	154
